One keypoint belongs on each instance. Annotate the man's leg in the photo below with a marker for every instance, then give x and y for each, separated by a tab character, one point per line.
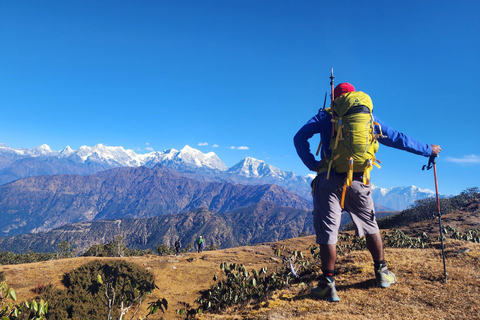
360	204
326	284
375	246
326	217
328	254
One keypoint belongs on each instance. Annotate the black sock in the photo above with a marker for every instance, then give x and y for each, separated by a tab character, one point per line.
379	264
329	273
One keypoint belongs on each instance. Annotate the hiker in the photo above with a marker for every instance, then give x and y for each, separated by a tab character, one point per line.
177	246
334	192
200	245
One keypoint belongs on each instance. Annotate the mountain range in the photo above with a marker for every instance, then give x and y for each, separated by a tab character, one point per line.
399	198
40	203
20	163
192	163
88	195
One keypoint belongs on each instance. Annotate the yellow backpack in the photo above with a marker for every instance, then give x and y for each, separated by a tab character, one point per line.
354	142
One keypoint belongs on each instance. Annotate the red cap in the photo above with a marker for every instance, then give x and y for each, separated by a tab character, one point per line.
342	88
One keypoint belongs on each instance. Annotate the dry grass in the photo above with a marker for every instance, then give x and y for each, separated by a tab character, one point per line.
420	294
179	278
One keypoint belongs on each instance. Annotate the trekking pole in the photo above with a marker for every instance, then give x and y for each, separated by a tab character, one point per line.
332	98
432	163
320	144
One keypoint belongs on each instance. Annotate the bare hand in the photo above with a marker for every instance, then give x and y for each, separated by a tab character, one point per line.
435	150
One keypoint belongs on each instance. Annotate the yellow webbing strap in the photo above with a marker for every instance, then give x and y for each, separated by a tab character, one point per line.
378	135
339	133
348	181
366	172
342	202
350	171
330	165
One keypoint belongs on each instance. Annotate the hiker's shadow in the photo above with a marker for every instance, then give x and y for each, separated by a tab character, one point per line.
305	294
367	284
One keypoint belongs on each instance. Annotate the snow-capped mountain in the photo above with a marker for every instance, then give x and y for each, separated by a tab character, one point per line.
35	152
399	198
253	168
188	156
42	160
120	157
254	171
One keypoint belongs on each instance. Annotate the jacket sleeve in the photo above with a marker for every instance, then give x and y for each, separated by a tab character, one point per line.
313	126
401	141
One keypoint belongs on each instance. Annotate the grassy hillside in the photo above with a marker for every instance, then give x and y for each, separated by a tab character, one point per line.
420	294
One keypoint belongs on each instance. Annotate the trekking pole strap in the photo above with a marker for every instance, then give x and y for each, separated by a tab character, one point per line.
431	163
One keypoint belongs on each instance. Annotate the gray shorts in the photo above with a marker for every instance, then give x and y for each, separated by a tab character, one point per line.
327	212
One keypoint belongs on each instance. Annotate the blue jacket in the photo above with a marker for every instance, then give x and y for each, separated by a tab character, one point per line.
321	123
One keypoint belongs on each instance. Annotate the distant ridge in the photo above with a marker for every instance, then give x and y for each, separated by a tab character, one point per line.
41	203
261	222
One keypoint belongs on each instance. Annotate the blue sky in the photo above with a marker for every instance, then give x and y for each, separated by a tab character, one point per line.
239	78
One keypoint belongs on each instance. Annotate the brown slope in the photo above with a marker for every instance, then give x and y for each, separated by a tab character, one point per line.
462	220
420	293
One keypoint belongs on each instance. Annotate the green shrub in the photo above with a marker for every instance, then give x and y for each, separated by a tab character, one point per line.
472	235
115	248
64	250
241	286
84	296
27	310
163	249
7	257
398	239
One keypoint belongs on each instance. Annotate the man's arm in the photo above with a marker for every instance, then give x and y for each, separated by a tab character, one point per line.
302	145
401	141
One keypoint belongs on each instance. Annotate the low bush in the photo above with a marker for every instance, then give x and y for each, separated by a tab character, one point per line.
84	296
27	310
115	248
7	257
472	235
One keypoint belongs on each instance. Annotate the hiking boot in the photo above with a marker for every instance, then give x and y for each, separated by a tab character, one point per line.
384	277
325	290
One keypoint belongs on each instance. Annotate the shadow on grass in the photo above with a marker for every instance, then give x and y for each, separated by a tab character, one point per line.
367	284
305	294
